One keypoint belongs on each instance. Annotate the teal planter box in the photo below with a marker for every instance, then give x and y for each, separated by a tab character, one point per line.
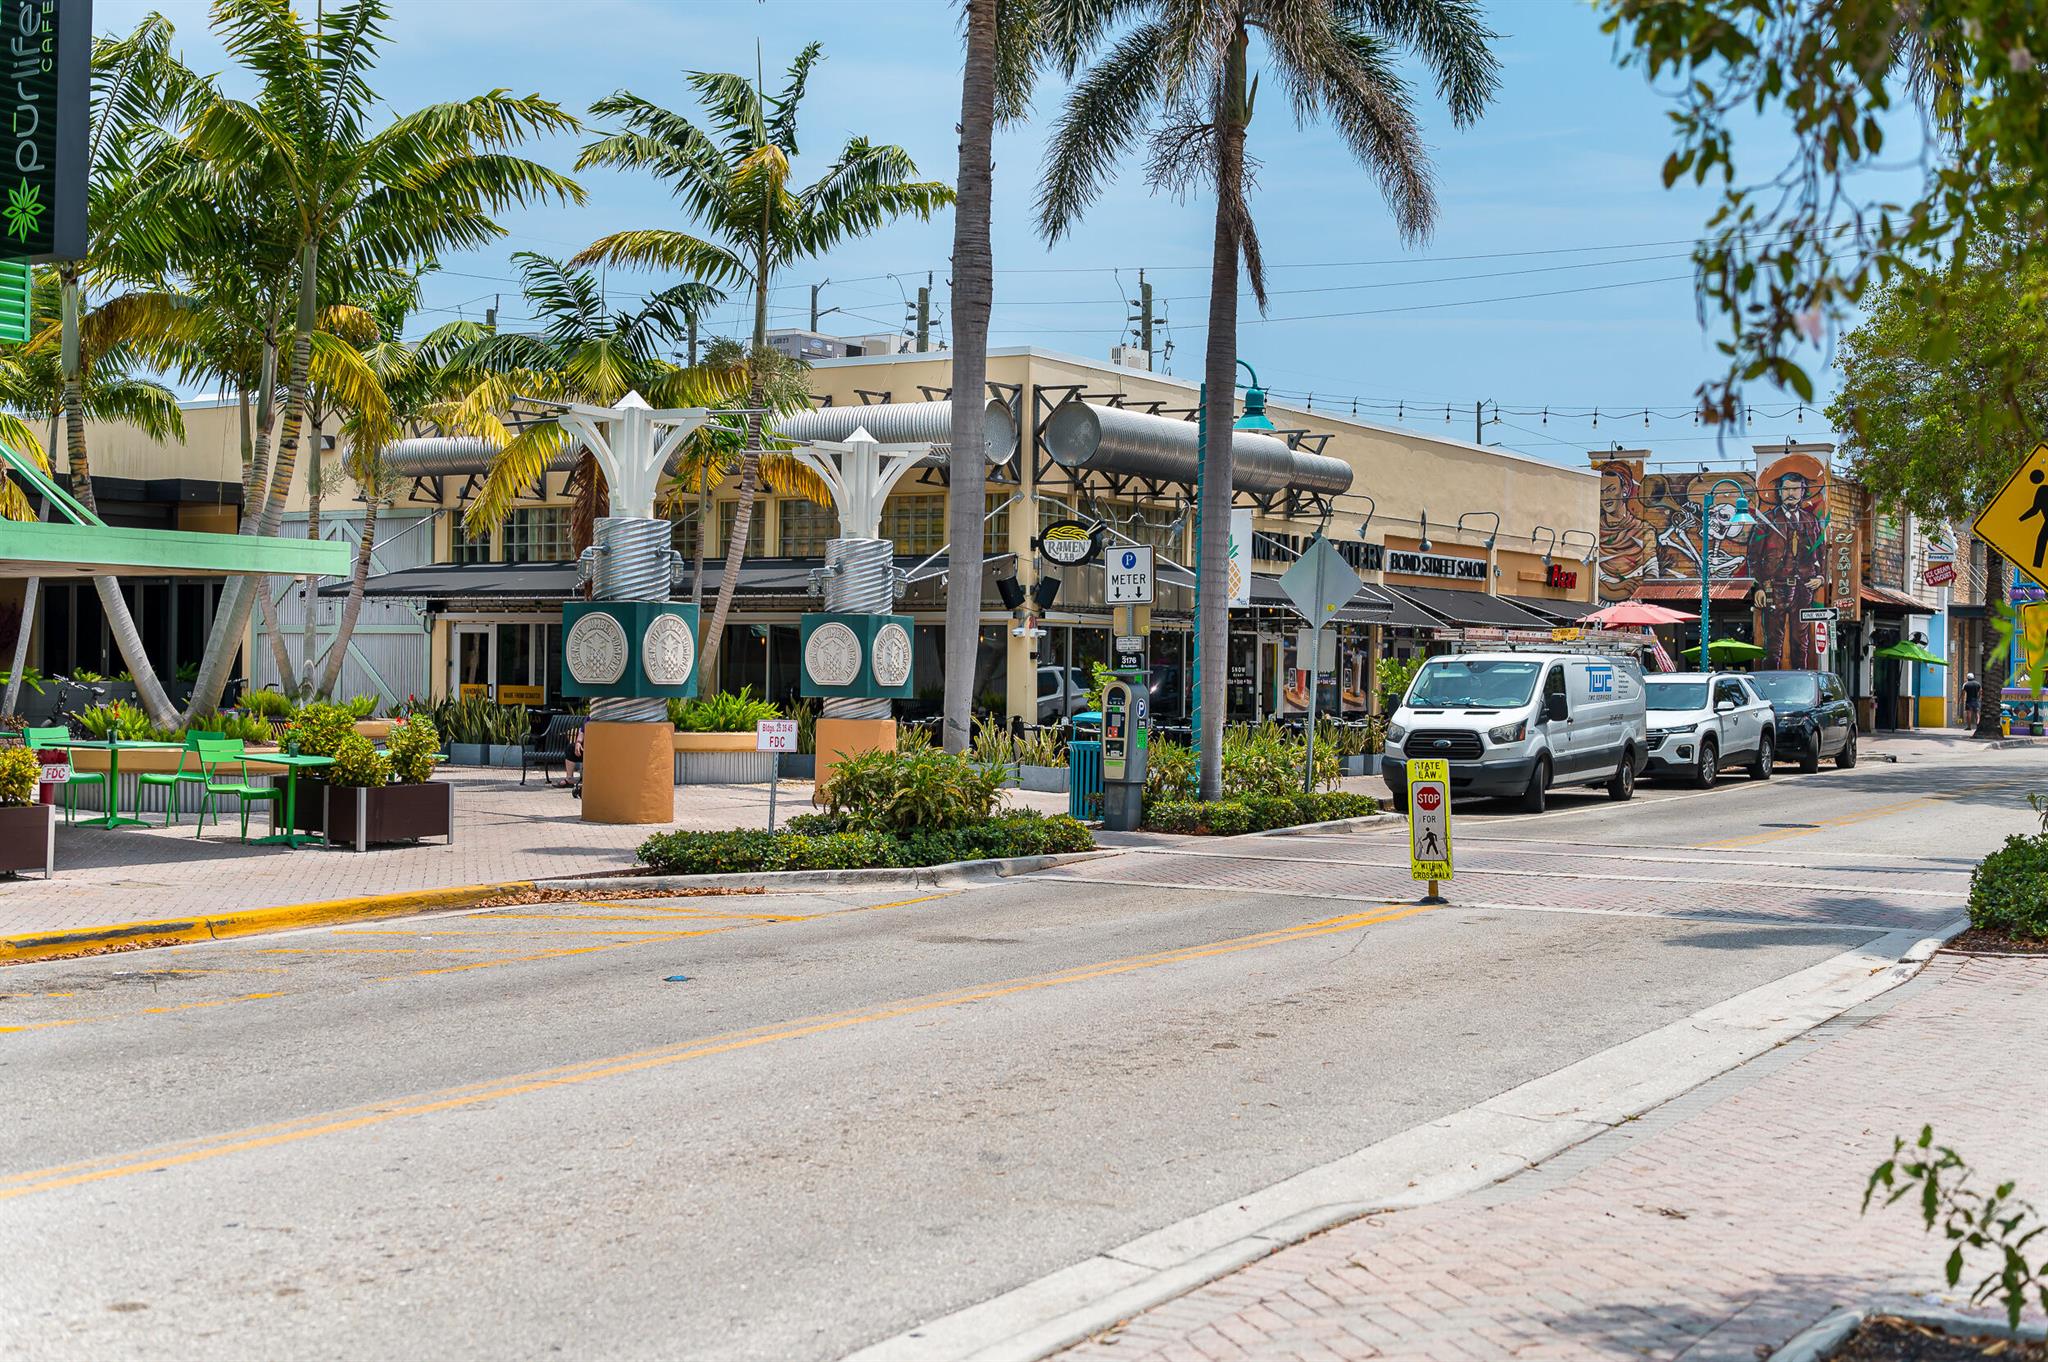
865	657
629	650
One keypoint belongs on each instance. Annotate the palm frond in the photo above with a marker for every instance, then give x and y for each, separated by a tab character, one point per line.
513	472
1104	116
663	249
1449	36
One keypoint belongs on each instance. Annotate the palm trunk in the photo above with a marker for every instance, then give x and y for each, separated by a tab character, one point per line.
280	652
703	531
1991	672
750	475
973	294
231	621
316	489
29	592
1220	375
149	692
351	606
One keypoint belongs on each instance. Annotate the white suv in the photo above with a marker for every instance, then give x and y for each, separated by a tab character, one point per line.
1701	722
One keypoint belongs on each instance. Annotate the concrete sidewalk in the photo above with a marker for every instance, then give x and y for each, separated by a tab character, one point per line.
1714	1227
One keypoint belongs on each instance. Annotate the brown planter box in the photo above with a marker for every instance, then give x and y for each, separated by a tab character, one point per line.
391	813
28	838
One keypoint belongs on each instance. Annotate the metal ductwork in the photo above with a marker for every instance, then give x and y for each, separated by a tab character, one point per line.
1085	437
902	423
439	455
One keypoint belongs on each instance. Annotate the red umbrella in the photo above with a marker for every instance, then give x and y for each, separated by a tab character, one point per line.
1628	613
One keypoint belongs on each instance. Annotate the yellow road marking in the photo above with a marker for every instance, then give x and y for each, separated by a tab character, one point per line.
147	1011
331	1123
1849	819
555	954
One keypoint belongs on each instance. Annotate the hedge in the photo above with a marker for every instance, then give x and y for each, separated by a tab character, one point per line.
814	843
1255	813
2009	889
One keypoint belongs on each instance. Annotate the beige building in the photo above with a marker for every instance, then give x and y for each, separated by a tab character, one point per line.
1448	535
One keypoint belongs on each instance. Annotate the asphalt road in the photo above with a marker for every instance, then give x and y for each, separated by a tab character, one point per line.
518	1133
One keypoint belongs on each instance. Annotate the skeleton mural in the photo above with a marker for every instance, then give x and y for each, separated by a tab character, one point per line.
1650	532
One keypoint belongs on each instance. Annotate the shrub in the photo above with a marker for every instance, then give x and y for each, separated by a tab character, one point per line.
1174	815
268	703
805	712
2009	889
724	712
322	730
247	727
21	771
413	746
511	725
358	765
1327	805
361	706
905	792
1169	771
817	844
1226	817
118	719
992	743
1262	760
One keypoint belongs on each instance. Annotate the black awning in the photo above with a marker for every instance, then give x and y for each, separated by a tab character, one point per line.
759	577
1558	612
1461	608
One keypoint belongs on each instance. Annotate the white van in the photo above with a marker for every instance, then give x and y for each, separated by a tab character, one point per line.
1517	723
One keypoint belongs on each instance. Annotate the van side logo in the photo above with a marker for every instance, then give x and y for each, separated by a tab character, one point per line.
1600	680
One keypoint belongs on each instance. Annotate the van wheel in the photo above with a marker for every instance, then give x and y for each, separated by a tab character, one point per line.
1760	769
1537	797
1845	760
1399	800
1709	767
1623	785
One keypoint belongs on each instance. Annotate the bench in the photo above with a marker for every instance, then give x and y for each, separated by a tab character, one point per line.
549	746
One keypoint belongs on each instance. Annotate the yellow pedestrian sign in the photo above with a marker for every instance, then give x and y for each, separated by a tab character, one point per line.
1429	822
2015	522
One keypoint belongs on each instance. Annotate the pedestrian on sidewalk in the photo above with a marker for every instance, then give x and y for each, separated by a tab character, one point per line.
1972	689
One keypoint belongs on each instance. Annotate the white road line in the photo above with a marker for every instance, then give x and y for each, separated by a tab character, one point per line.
1578	853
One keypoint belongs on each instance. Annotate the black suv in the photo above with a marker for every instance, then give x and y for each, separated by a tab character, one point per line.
1815	718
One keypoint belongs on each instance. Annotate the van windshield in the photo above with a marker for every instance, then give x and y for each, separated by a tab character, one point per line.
1461	683
1678	695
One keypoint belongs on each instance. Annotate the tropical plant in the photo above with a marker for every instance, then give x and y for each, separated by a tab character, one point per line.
2009	889
358	765
1391	677
1180	69
511	725
906	792
732	175
992	743
805	712
21	772
413	746
304	156
1041	747
361	706
269	704
1970	1218
725	712
117	719
322	731
27	676
1169	771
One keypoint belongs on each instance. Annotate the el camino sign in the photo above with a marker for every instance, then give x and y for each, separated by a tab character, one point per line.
45	45
1407	563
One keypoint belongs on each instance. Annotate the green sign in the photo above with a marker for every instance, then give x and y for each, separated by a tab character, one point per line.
17	287
629	650
47	90
865	657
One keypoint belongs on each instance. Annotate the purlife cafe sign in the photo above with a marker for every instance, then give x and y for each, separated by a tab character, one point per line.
48	85
1407	563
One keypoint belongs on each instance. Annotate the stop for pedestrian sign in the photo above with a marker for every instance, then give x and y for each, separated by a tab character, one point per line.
1429	819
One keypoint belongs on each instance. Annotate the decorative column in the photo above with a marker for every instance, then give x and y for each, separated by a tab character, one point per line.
628	648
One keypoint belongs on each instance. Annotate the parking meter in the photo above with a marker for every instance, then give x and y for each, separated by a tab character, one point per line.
1125	743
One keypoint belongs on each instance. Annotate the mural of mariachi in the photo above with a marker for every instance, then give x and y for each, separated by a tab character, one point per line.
1650	532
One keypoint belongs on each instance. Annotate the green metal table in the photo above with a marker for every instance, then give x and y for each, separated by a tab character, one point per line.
114	747
288	834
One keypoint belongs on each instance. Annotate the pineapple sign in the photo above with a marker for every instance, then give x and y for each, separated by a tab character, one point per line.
48	44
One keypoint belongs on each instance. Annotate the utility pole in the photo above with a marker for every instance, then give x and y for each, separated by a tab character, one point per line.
816	315
491	312
924	319
693	340
1143	317
1479	423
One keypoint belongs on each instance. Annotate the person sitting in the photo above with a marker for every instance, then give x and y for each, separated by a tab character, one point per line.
572	764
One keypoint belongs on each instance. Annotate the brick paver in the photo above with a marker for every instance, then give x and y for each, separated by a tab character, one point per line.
503	831
1713	1228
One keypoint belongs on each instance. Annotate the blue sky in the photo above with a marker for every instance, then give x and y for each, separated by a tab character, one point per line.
1555	192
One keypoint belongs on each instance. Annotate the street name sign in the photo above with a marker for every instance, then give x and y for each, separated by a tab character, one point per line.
1429	820
2015	521
1128	572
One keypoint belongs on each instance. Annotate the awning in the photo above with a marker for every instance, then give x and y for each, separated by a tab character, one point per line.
1689	592
39	549
1559	612
1370	606
759	577
1460	608
1884	598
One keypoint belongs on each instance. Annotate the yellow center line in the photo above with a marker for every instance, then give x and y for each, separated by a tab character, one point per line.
556	954
330	1123
145	1012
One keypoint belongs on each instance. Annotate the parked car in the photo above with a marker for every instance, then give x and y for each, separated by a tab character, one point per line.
1061	691
1701	722
1518	723
1816	718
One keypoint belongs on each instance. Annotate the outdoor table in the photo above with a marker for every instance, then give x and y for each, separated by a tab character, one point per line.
288	834
114	747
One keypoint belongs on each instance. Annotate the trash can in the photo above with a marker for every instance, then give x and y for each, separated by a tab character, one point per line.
1084	779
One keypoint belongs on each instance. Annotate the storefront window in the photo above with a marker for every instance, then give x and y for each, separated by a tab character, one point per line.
537	534
468	548
917	523
805	526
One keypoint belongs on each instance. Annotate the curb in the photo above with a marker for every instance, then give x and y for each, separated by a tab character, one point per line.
1437	1161
30	946
1815	1342
951	875
1334	825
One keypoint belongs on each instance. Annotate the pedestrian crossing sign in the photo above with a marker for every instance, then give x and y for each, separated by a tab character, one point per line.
2015	522
1429	819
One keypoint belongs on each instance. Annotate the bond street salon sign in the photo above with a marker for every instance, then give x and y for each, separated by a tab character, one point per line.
45	46
1406	563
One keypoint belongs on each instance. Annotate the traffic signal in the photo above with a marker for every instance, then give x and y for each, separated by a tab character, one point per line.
17	292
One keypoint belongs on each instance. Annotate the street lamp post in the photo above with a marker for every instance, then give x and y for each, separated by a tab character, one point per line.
1254	419
1742	517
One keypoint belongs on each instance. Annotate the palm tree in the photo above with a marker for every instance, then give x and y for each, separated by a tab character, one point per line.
1180	70
302	151
733	177
995	84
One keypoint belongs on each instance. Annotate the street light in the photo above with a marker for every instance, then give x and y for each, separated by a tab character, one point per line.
1741	519
1492	535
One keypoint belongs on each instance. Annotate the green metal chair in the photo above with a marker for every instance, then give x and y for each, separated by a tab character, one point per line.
58	736
214	754
171	781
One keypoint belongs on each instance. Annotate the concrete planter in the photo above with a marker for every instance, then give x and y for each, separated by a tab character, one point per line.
722	759
468	754
1042	779
359	818
500	754
376	730
28	838
799	765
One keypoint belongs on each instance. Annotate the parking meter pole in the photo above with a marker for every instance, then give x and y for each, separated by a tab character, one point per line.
1123	757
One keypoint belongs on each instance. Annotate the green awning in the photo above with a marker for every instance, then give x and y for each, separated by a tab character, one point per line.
1910	651
36	549
1728	650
